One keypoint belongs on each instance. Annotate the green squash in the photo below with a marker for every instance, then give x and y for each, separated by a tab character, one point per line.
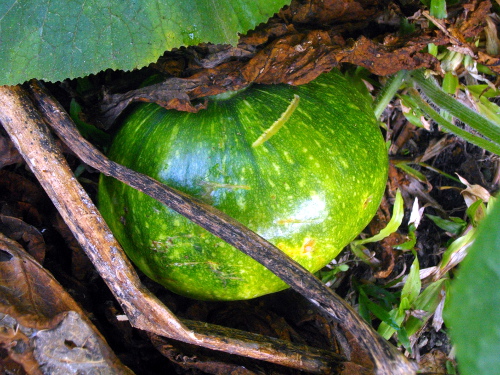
309	189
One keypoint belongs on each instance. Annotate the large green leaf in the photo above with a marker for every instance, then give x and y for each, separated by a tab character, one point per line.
58	39
473	311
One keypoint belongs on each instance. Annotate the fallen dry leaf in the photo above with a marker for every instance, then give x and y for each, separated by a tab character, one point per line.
16	188
324	12
473	192
54	330
8	153
434	362
472	21
387	59
20	231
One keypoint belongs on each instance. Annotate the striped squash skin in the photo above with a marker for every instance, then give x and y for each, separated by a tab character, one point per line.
310	189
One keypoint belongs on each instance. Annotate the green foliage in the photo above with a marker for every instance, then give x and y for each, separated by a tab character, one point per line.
328	275
357	246
405	311
403	307
481	94
438	8
476	121
426	303
54	40
485	131
439	102
388	91
392	226
410	292
453	225
473	310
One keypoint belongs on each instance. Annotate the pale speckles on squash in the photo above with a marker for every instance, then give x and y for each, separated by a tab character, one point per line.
247	103
241	202
367	201
353	106
264	148
211	186
304	114
343	162
288	158
308	245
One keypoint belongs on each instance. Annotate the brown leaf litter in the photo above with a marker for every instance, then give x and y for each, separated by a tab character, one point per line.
41	325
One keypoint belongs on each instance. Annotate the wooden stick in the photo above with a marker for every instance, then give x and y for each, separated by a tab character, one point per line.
31	136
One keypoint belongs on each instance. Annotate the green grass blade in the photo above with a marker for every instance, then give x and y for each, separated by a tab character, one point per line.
388	92
474	139
427	301
438	9
412	286
473	119
392	226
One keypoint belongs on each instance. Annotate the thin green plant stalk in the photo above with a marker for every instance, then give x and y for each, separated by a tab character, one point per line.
388	92
430	167
438	9
434	115
479	123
